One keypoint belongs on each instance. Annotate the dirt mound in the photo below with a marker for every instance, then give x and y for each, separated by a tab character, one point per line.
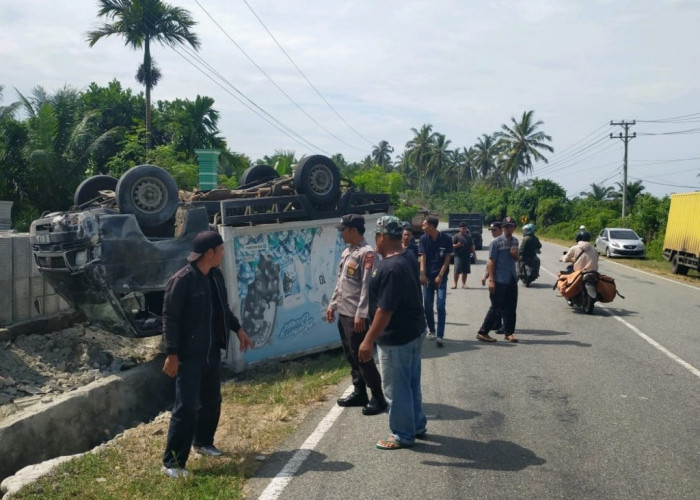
39	367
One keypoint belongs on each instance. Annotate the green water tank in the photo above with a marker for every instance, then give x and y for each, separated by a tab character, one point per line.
208	161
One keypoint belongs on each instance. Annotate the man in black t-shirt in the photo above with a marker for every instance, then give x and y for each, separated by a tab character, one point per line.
463	246
399	327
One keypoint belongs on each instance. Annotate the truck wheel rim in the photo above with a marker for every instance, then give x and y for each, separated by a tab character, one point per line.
149	194
320	180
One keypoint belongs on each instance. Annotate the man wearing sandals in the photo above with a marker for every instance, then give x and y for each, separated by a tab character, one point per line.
399	328
503	283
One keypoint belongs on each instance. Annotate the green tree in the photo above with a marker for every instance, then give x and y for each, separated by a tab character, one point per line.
634	189
486	152
419	151
282	161
439	160
599	193
139	22
191	124
381	154
522	144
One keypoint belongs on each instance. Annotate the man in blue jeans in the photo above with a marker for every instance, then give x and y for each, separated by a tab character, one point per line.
398	327
434	250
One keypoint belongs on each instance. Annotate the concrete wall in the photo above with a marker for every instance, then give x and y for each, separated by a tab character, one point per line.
24	294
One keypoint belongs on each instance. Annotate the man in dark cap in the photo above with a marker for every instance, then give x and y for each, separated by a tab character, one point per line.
196	324
503	283
351	299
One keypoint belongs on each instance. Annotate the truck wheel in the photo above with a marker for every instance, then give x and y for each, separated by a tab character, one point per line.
90	187
677	267
148	192
258	174
319	179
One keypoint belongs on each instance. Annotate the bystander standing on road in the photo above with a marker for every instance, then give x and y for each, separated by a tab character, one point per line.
351	300
398	327
503	283
434	249
407	240
495	228
463	247
196	324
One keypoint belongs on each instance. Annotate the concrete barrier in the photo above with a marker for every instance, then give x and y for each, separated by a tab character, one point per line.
80	420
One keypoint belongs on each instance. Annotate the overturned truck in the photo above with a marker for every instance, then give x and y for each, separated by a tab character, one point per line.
111	254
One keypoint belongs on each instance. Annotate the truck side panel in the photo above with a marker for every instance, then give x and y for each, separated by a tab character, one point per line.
683	227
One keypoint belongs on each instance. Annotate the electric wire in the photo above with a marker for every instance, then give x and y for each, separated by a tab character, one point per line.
318	92
272	81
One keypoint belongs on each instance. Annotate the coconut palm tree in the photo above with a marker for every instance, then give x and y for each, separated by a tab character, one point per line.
522	144
139	22
419	150
486	152
381	154
599	193
634	189
439	159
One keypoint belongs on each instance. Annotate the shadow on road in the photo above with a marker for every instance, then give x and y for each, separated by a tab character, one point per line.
431	350
313	461
439	411
493	455
525	337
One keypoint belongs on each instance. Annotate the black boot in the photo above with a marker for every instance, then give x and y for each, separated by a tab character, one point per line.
376	406
357	398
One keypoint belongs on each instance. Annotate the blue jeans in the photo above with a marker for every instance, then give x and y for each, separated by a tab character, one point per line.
400	366
428	299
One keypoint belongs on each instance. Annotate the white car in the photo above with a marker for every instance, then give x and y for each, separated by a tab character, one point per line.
620	242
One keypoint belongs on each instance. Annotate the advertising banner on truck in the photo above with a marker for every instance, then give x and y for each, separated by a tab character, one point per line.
282	281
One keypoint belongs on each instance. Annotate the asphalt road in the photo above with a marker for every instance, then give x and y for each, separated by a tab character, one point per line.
605	406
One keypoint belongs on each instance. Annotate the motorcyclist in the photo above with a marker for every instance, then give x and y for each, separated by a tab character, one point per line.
529	248
583	256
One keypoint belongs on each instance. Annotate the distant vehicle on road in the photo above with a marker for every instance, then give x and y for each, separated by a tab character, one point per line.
475	223
620	242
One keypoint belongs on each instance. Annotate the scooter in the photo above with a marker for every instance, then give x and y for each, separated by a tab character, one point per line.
529	271
587	294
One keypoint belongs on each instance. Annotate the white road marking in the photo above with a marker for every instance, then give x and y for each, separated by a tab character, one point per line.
654	343
643	335
281	480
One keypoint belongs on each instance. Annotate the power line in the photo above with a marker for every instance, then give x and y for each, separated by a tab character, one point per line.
304	76
677	132
664	183
271	80
675	119
246	101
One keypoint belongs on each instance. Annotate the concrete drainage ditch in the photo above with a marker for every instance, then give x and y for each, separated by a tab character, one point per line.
80	420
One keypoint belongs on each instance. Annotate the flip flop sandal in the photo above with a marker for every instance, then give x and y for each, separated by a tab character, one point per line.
391	444
510	338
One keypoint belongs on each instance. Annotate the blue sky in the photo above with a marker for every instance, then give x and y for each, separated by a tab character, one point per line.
384	67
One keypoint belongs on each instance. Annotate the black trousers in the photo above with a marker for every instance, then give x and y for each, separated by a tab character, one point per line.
363	374
504	302
195	414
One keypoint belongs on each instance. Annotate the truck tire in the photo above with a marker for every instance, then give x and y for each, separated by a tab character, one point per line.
677	267
148	192
258	174
319	179
90	187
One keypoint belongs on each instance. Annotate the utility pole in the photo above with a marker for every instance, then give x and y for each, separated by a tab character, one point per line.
626	139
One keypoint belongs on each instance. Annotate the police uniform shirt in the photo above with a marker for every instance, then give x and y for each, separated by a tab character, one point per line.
351	294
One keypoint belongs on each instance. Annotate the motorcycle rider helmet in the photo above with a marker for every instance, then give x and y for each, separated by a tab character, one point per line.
583	235
528	229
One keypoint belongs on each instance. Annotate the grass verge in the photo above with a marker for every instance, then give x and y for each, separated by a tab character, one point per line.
259	410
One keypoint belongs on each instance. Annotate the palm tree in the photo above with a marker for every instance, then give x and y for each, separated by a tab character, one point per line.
522	144
485	155
634	189
139	22
599	193
439	159
419	150
381	154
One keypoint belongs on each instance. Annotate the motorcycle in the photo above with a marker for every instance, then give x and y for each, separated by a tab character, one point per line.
529	271
578	288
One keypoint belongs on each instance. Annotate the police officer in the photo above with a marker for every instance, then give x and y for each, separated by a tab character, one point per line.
351	300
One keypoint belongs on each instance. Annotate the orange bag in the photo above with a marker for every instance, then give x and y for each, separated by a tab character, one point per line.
570	284
606	288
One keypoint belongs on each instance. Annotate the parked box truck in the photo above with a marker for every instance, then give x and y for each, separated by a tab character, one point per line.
475	223
682	240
